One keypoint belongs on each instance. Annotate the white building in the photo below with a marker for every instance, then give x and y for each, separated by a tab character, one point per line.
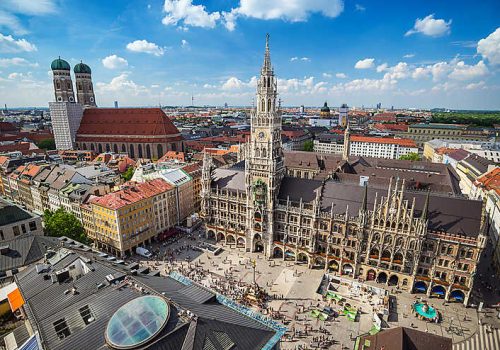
489	150
365	146
66	118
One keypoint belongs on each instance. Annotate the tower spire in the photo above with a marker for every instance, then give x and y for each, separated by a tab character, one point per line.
267	58
425	210
347	142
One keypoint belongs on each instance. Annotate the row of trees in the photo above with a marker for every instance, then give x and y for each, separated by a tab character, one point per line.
486	119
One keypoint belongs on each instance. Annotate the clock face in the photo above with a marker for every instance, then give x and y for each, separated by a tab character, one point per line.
261	135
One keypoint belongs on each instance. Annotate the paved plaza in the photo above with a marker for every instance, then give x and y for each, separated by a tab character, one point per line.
293	295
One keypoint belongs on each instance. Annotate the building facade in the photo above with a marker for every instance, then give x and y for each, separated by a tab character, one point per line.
416	240
15	222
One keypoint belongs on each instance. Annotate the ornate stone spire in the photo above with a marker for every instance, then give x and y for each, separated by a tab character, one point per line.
425	210
267	69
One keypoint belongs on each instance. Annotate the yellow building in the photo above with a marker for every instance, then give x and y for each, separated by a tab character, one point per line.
126	219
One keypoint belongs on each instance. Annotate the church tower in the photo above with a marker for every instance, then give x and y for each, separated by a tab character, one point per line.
84	88
61	76
264	162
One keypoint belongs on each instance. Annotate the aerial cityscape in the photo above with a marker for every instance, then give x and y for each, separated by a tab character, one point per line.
185	174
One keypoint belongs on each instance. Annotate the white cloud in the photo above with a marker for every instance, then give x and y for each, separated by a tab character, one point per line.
121	84
184	44
10	45
289	10
190	15
146	47
341	75
420	73
365	64
474	86
305	59
232	83
430	26
327	75
489	47
463	71
8	9
368	85
409	55
16	61
399	71
114	62
229	19
360	8
382	67
11	22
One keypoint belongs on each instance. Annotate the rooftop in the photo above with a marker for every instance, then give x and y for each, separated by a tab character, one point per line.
384	140
10	213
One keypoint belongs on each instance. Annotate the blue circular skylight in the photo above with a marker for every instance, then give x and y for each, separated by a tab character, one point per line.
137	322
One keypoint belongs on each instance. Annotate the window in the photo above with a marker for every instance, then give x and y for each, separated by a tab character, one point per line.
16	230
2	237
61	328
86	314
23	227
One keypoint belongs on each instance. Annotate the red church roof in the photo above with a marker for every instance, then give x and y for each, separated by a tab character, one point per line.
126	122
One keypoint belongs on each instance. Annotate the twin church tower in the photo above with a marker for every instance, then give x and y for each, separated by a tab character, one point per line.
66	113
63	85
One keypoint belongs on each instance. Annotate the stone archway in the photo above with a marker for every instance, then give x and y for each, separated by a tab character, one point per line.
438	291
420	287
289	255
393	280
240	242
302	258
457	296
230	239
333	266
258	246
220	237
319	263
210	234
382	278
347	269
371	275
277	253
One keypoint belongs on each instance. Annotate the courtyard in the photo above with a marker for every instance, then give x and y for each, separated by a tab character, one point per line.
293	298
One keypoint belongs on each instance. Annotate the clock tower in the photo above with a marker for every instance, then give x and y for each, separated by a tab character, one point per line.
264	164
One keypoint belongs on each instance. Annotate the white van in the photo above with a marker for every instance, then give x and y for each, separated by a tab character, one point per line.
143	252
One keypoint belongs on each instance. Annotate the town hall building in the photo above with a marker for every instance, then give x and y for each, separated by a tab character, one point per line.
411	228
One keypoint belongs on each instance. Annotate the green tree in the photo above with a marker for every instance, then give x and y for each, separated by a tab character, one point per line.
61	223
309	146
127	175
410	156
47	144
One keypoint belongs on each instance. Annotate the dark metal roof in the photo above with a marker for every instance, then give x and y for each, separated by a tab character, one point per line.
48	302
10	213
24	250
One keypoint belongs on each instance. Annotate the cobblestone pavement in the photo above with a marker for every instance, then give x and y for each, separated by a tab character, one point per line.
293	288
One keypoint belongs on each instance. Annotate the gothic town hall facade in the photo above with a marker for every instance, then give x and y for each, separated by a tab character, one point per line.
386	232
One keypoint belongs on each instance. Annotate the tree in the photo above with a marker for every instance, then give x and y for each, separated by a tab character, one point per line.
47	144
61	223
127	175
410	156
309	146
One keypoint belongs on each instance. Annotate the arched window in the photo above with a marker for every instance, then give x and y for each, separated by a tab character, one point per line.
58	85
257	152
269	105
264	153
68	84
262	105
173	146
115	148
124	150
139	151
108	148
159	149
84	146
92	147
148	151
132	152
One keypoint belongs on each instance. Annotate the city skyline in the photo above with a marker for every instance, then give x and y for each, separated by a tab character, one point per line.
405	55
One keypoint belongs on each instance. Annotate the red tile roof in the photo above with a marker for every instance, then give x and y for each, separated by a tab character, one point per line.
391	127
393	141
490	180
7	127
141	122
132	194
172	155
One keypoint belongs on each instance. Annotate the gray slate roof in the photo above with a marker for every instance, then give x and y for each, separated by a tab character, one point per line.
25	250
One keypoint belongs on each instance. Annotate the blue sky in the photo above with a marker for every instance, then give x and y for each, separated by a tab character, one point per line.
423	53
